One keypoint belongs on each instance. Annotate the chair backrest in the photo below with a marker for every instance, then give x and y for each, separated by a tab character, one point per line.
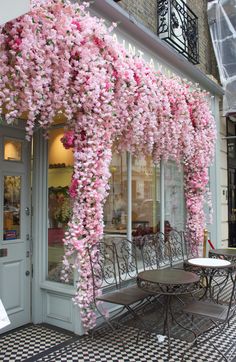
176	246
222	291
127	260
103	263
164	252
223	286
149	252
156	251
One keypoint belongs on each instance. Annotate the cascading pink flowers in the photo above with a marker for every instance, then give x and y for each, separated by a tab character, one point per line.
59	59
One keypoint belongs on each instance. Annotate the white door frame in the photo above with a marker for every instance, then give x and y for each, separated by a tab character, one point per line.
15	266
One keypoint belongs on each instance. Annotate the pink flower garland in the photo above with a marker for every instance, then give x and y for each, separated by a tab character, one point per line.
58	59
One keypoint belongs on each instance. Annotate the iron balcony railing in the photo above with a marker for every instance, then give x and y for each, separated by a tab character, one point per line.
178	26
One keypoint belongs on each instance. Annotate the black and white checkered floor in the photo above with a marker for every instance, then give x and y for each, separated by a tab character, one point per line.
44	343
31	342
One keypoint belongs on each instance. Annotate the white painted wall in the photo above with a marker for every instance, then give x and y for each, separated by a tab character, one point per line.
11	9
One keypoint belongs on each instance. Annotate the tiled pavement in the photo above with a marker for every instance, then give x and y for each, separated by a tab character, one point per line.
32	341
44	343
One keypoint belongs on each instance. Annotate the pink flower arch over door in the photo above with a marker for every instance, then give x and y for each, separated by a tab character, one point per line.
60	59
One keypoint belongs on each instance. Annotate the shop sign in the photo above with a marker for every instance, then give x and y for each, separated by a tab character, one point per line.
134	49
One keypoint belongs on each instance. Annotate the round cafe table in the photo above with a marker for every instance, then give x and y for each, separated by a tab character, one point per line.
170	283
208	269
210	263
226	254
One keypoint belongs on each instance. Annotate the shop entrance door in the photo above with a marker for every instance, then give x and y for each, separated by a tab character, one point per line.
15	253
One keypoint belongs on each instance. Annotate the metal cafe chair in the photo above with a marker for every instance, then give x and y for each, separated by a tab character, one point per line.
109	287
174	239
155	251
149	252
219	315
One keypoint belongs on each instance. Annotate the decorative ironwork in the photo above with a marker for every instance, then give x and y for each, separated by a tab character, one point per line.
178	26
168	281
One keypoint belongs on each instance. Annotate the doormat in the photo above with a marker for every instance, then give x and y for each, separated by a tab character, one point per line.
31	342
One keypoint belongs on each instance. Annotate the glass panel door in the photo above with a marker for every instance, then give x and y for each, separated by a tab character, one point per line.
15	250
12	149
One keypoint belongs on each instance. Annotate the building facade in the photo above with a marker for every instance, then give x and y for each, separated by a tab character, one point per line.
142	196
146	12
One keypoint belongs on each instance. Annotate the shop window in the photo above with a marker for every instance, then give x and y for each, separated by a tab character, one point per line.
174	197
145	207
145	196
11	205
12	150
115	209
60	169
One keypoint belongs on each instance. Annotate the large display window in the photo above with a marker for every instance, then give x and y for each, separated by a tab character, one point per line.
60	169
124	217
115	208
145	207
174	196
145	196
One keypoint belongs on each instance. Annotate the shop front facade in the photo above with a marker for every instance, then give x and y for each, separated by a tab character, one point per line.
143	197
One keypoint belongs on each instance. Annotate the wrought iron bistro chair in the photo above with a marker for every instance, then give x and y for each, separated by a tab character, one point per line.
155	252
219	315
109	285
148	252
176	247
162	250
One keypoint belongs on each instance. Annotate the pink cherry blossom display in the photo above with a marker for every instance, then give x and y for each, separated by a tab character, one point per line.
60	59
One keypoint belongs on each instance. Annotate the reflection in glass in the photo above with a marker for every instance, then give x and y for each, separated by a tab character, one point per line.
12	150
60	168
174	196
11	215
145	196
115	208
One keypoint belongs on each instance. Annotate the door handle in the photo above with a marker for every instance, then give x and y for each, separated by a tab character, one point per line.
27	211
27	273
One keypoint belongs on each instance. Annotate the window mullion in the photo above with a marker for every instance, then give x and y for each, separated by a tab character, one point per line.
129	196
162	196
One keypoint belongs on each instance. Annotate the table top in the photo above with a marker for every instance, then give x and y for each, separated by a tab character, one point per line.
209	262
226	252
168	276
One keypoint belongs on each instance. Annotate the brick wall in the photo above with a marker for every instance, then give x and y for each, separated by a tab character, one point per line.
143	10
206	53
146	12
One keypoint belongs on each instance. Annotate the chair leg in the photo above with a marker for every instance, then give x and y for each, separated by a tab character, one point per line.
110	325
197	342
